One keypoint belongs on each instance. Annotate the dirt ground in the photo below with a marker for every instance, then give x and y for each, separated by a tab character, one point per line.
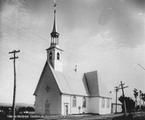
132	116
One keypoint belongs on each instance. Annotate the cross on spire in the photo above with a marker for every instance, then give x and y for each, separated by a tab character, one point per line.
54	4
54	27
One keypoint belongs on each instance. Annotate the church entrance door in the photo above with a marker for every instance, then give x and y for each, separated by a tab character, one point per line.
47	106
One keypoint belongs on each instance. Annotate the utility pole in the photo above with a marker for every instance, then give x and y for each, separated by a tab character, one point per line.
116	90
14	90
123	95
140	96
135	95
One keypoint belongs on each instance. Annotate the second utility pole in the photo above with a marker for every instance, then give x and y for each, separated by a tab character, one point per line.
123	95
116	90
14	92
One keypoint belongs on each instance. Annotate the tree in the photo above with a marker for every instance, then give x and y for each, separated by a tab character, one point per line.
143	97
130	104
30	109
22	110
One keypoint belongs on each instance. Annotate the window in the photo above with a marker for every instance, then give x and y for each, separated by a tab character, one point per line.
74	101
103	102
58	56
50	55
84	102
108	103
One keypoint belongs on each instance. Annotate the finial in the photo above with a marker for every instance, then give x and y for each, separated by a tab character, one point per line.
54	27
54	2
76	68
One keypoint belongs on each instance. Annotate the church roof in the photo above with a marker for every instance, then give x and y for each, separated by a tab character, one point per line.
66	84
73	84
96	87
91	79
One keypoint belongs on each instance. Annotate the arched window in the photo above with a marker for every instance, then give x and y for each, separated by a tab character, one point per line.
103	102
74	101
58	56
50	55
108	103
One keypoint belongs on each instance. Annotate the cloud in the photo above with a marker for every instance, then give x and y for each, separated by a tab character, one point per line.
125	25
120	17
138	4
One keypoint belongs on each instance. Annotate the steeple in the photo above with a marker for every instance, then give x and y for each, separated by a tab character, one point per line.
54	53
54	34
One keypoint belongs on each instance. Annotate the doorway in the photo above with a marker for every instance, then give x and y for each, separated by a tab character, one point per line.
66	108
47	107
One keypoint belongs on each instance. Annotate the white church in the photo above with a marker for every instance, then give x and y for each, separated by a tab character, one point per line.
58	93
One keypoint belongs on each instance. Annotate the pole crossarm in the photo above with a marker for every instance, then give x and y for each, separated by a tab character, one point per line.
14	51
117	88
12	58
122	86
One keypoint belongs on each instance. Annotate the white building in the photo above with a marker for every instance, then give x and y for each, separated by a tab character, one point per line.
60	94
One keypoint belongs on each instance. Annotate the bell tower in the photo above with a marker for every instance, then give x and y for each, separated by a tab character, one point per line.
54	53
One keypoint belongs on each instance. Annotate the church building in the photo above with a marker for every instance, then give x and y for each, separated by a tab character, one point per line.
59	94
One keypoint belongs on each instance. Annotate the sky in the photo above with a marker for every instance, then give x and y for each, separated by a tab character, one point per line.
103	35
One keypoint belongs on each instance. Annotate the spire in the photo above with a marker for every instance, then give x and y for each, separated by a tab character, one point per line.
54	34
54	53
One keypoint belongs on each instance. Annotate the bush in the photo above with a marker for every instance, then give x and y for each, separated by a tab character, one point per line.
137	108
130	104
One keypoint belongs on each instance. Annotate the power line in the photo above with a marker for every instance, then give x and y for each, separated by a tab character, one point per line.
141	66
